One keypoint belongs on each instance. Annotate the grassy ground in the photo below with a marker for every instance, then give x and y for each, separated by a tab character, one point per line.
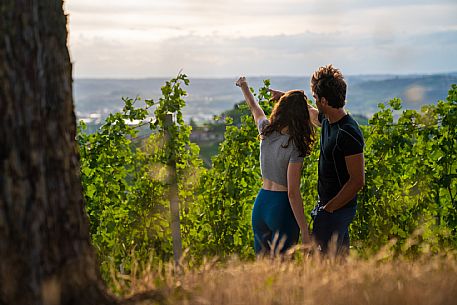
380	280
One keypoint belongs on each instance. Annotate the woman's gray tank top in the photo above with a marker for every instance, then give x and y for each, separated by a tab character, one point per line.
274	158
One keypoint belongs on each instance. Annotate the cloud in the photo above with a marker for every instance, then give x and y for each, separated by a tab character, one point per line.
268	55
254	18
221	38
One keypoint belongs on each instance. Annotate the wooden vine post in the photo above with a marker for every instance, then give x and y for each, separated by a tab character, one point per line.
173	195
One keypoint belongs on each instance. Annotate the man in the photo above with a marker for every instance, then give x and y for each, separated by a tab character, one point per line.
341	162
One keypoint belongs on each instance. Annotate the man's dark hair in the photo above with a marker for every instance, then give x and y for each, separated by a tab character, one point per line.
328	82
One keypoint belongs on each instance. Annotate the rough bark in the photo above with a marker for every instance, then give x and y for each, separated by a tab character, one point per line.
45	251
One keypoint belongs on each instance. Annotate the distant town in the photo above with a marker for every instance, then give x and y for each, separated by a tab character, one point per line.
96	98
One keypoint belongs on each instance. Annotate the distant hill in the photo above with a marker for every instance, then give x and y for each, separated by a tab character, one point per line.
208	97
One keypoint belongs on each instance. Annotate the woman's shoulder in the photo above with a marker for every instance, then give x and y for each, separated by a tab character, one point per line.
262	123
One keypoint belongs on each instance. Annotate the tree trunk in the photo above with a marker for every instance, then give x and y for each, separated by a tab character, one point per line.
45	251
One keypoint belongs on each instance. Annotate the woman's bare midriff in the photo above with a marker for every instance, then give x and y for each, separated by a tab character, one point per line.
273	186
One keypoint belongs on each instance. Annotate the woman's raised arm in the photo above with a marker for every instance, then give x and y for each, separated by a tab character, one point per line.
256	111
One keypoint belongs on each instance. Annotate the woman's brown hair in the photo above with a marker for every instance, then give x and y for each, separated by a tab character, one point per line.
292	112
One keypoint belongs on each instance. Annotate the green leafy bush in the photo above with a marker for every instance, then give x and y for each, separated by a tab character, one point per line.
126	179
411	182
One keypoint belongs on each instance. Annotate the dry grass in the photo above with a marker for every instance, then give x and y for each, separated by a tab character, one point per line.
381	280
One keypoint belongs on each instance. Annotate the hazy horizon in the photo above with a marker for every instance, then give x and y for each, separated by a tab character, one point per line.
211	96
265	76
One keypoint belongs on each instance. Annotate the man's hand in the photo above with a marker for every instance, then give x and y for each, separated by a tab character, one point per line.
275	94
327	209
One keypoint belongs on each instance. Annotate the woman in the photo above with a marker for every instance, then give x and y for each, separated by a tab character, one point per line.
286	138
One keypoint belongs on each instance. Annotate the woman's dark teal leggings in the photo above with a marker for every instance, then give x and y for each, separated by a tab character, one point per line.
272	215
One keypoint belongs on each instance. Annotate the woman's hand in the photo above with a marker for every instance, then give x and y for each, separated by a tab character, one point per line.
306	238
256	111
241	81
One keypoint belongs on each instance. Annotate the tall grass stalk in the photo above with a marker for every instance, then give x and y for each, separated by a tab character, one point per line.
299	279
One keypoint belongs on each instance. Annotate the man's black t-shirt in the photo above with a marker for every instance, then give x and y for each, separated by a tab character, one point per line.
338	140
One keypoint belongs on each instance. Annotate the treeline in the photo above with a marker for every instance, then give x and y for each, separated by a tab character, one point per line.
409	196
209	135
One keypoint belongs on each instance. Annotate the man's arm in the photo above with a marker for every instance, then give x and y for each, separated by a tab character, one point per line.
314	115
275	94
256	111
355	165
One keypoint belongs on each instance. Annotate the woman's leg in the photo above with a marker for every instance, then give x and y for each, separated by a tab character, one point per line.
262	234
281	222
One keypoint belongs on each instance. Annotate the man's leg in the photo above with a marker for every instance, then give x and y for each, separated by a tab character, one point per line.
343	220
327	225
343	247
322	230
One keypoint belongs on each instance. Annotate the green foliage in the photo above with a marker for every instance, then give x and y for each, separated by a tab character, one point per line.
221	219
121	198
125	179
237	113
410	178
411	181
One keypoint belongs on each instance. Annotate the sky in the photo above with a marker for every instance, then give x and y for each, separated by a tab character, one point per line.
222	38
